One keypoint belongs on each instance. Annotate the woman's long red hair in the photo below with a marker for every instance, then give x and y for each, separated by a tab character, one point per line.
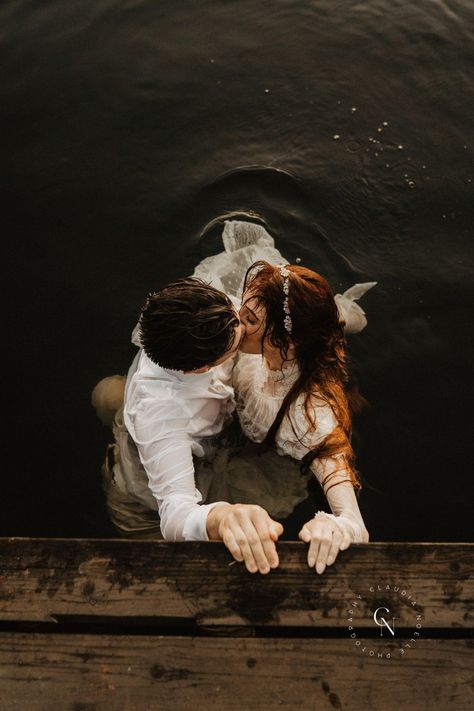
319	343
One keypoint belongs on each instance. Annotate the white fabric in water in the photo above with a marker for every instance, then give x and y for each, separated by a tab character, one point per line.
244	244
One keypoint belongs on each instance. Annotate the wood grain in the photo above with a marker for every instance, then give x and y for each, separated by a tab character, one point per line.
91	673
43	579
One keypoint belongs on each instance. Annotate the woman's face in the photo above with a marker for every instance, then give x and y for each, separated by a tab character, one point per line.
252	316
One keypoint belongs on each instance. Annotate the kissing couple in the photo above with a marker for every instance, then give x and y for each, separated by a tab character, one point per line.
237	397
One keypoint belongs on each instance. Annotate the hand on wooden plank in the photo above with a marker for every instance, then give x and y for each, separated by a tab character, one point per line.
325	540
250	535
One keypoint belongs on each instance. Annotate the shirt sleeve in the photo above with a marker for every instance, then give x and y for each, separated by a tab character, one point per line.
168	463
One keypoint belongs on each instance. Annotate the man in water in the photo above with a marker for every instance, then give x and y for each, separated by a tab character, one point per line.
178	396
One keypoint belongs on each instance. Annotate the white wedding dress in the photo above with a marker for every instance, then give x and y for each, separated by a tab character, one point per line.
238	470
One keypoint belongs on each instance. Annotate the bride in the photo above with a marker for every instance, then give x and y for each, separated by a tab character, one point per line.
289	379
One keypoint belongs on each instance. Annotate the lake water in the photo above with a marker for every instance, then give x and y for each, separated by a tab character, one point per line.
347	127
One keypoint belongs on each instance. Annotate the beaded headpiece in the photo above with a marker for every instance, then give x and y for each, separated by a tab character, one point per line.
286	288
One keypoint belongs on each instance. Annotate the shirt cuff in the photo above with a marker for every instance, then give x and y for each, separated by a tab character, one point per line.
195	525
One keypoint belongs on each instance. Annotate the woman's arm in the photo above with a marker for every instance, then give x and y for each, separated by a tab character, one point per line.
327	534
295	439
341	497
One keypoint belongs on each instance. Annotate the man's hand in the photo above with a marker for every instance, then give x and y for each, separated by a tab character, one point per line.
248	532
325	539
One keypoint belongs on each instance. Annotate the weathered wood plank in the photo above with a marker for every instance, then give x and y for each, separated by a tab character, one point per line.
44	578
120	673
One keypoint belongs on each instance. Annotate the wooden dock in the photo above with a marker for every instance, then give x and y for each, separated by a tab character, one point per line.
122	625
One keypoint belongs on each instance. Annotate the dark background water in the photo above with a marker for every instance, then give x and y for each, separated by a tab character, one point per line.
128	126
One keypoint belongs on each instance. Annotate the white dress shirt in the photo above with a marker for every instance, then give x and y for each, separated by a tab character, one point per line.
168	415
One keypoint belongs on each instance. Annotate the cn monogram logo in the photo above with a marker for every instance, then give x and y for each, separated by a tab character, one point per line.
381	605
381	621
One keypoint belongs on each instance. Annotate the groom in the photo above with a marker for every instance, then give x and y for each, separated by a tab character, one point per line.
178	396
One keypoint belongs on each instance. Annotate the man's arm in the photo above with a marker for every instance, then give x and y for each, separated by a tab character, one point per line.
165	448
168	463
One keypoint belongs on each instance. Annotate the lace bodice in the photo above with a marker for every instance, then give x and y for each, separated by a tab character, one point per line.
259	394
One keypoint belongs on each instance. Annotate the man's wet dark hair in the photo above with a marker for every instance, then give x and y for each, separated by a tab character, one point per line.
187	325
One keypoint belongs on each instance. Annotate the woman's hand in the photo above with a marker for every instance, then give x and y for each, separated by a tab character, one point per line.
250	535
326	539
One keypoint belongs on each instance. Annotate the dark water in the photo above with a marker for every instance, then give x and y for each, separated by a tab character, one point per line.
128	126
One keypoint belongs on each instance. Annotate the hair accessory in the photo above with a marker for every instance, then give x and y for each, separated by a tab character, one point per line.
286	289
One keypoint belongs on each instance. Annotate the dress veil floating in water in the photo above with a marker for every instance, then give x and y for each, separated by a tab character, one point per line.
247	242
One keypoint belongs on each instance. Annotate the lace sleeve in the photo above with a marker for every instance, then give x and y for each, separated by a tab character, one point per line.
339	491
350	312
